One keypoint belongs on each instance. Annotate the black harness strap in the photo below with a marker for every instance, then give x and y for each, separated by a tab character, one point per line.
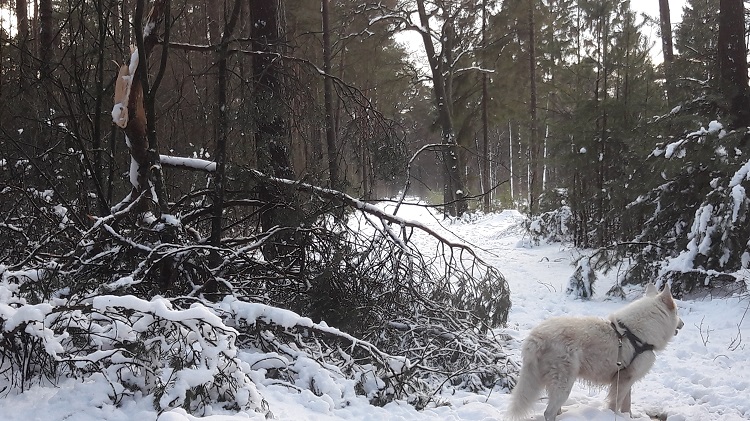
639	346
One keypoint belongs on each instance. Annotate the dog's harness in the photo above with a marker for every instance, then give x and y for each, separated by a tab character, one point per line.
639	346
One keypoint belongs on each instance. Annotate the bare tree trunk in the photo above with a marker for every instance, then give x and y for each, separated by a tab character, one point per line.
272	130
46	73
486	187
733	61
125	22
135	113
510	163
222	125
148	37
22	23
602	176
331	144
535	155
271	124
121	28
47	36
35	27
667	48
214	9
2	70
455	194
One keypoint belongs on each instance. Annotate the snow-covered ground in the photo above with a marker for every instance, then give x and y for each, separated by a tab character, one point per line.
703	375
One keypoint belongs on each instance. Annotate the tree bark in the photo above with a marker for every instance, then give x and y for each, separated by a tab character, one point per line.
125	21
222	125
214	14
733	61
667	48
2	69
47	36
603	164
485	119
331	144
22	24
271	124
46	73
455	194
272	128
511	158
535	147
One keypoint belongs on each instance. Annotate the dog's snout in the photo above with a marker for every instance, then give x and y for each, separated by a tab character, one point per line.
680	324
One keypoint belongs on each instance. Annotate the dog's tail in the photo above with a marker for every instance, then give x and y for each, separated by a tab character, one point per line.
526	392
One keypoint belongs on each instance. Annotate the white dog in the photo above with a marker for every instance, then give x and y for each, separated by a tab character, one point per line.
617	352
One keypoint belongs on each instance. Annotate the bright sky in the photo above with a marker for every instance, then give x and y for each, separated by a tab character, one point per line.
651	8
5	18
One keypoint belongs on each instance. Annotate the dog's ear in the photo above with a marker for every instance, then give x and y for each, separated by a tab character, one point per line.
666	298
651	290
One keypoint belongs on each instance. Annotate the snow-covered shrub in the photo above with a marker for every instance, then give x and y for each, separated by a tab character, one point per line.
294	351
602	260
555	222
181	357
29	348
581	283
552	226
699	284
449	358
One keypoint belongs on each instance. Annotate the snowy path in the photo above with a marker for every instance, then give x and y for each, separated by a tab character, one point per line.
703	375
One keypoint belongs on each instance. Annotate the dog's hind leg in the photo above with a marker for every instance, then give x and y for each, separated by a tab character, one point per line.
558	389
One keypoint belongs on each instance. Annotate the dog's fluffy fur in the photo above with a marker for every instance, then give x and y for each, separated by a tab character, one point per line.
563	349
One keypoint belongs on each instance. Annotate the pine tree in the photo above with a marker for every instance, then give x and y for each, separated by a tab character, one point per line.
696	66
604	95
695	222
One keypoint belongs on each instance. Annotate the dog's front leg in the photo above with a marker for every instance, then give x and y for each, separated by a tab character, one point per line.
619	392
625	406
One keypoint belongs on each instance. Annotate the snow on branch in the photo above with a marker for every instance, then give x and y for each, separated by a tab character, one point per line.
474	68
181	357
677	148
188	163
187	355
